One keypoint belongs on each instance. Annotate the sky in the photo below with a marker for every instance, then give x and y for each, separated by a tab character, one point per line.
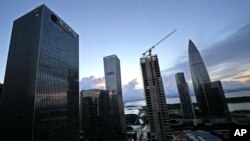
127	28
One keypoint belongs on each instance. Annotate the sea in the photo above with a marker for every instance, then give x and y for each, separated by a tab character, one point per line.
174	100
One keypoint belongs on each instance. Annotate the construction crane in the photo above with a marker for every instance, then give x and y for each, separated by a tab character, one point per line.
150	49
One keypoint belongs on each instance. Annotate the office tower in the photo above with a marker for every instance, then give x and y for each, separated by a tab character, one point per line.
199	77
1	91
41	92
97	118
112	72
185	99
216	99
160	129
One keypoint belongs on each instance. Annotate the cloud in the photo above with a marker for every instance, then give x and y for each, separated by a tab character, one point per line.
169	85
227	60
92	83
233	49
130	92
229	85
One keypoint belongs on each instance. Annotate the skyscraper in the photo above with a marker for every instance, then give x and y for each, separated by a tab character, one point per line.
160	129
41	93
199	77
112	72
96	117
1	91
215	96
186	102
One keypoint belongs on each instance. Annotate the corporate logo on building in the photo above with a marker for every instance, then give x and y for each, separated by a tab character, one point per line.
63	25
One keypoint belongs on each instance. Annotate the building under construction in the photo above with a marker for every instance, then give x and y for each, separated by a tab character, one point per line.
158	117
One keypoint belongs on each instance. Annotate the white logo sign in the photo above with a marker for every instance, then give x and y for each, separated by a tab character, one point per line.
240	132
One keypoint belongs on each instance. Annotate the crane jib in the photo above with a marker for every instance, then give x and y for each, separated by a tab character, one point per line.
150	49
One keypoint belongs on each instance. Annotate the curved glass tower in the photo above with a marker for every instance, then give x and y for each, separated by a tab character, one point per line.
199	77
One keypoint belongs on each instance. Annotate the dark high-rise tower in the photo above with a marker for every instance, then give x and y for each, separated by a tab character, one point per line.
160	129
216	99
199	77
210	95
112	72
97	118
41	94
186	102
1	91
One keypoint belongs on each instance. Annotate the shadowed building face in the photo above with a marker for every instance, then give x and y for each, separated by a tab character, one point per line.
199	76
97	120
40	100
185	99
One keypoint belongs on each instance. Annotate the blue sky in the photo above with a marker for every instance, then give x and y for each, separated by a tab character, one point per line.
129	27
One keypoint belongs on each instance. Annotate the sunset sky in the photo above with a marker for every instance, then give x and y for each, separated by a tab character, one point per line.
127	28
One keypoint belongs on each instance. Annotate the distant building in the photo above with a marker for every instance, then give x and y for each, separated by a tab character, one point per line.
160	129
199	77
185	99
112	72
215	96
1	91
96	115
210	95
41	87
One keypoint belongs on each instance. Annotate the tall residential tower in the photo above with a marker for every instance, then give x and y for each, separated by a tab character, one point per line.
112	72
41	94
160	129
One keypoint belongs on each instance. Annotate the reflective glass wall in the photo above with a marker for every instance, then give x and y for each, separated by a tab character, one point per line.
41	100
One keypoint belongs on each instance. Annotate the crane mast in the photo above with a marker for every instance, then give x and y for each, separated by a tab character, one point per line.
150	49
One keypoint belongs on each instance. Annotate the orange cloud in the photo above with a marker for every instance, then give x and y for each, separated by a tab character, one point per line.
244	79
99	85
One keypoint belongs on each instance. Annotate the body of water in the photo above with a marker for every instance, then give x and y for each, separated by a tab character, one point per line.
231	106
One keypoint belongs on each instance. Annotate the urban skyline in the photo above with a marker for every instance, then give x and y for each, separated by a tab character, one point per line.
41	90
140	27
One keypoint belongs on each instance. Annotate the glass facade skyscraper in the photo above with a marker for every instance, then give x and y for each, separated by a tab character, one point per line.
112	72
185	99
215	96
97	115
41	93
160	129
210	95
1	91
199	77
